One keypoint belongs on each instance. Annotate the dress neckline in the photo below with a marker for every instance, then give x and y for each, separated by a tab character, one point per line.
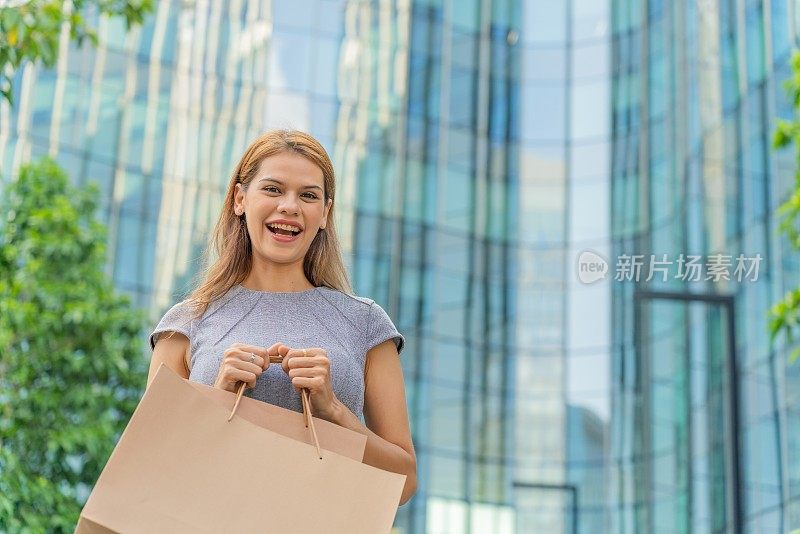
302	293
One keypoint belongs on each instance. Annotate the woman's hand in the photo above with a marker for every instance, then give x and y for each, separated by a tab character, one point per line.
244	363
311	369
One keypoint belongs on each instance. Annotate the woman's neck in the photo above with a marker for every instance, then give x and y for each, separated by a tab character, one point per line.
277	278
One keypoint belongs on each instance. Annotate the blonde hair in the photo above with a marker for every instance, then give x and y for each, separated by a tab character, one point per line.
229	253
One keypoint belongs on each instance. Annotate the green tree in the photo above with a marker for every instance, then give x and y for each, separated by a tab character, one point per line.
72	363
785	315
30	29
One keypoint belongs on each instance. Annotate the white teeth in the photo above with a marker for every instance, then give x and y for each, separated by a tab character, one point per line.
287	227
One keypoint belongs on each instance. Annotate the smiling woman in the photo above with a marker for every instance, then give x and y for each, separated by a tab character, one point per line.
276	286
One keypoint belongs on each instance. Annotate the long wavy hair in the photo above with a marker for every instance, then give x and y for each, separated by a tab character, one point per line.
229	255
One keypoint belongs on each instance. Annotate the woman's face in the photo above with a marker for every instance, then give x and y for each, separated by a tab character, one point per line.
284	207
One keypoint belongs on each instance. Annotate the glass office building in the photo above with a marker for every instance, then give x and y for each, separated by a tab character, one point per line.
704	434
480	147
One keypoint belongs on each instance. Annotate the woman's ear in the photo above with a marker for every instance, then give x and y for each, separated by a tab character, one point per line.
238	200
325	213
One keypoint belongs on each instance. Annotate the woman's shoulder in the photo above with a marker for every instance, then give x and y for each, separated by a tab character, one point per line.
181	311
188	310
358	307
364	311
178	318
366	315
185	316
345	299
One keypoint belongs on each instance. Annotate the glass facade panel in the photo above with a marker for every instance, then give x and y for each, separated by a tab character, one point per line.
702	180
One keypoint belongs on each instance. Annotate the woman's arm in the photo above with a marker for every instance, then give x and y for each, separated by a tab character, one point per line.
172	349
389	444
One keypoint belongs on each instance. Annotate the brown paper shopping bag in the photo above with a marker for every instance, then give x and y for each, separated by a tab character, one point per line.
180	466
288	423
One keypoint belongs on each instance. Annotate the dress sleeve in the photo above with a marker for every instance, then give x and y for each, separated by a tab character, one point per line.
380	328
177	319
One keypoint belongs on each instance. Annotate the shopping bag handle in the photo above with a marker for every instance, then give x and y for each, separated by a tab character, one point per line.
272	359
309	420
304	395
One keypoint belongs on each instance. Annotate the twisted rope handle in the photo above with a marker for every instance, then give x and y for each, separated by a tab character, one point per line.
304	395
240	391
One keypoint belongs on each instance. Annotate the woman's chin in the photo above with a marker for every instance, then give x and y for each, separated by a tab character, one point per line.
280	253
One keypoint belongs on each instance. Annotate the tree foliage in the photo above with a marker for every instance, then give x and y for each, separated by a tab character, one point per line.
785	315
72	366
30	29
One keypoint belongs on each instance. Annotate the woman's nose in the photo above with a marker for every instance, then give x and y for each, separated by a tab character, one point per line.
289	204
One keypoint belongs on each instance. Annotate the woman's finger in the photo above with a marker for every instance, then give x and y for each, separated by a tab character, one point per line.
278	349
309	372
289	356
300	382
242	365
255	359
239	375
301	361
238	347
308	357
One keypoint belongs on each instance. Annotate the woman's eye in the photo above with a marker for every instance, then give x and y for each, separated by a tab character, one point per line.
271	189
310	196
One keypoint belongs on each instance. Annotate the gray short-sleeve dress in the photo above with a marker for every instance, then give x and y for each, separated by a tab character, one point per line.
346	326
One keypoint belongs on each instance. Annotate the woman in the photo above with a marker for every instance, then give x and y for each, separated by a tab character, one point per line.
278	281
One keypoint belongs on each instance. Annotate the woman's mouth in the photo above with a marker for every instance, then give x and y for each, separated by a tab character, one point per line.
284	233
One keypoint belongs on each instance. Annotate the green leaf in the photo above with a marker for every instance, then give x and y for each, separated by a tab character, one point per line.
783	134
784	316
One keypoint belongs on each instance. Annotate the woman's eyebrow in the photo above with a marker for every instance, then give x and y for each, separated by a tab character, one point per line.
271	179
